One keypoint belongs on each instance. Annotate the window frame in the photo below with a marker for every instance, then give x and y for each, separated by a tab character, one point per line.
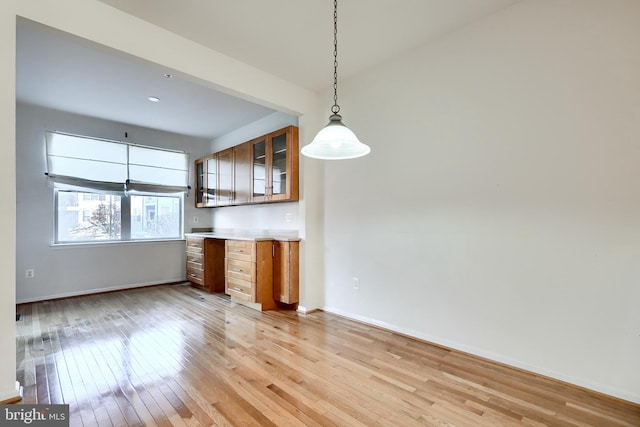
125	220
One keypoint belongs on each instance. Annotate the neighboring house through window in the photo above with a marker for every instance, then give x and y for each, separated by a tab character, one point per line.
112	191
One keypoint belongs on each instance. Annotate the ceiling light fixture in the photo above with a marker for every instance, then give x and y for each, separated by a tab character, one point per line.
335	141
153	99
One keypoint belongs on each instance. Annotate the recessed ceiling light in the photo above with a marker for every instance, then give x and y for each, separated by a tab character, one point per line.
153	99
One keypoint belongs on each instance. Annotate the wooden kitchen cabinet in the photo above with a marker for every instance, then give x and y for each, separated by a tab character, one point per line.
242	173
205	263
286	271
199	182
265	169
206	181
249	273
275	169
225	181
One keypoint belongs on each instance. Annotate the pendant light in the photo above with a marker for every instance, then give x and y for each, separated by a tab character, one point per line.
335	141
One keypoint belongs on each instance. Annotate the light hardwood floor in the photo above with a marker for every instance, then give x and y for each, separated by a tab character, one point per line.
174	355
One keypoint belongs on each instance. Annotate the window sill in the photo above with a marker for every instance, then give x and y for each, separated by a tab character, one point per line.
85	245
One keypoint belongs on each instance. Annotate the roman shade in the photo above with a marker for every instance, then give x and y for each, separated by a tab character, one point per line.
84	163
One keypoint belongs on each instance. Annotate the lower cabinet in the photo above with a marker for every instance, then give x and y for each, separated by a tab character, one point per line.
286	271
261	274
249	273
205	263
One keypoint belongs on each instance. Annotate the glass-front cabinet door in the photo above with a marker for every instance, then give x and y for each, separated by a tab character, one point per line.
259	185
274	166
225	178
211	181
279	171
200	177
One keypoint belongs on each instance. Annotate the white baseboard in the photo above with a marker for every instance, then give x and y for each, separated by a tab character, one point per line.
580	382
96	290
12	395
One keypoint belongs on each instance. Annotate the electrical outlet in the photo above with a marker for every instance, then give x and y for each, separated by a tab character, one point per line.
29	273
288	217
196	219
356	283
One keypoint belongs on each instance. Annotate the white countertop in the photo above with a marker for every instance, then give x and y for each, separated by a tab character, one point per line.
255	236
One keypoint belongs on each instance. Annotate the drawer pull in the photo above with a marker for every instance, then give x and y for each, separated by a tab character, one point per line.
238	251
192	275
193	259
239	270
237	289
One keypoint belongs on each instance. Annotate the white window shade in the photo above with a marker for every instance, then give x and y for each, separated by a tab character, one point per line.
76	162
156	170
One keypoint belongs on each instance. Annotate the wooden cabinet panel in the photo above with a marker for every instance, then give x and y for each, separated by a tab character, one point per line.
242	173
286	272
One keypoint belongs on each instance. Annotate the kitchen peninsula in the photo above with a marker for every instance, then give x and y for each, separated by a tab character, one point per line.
257	269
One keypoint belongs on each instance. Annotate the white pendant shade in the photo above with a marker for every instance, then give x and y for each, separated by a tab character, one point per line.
335	142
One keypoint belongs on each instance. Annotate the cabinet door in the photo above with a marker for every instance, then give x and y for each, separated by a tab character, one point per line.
259	184
211	181
278	153
283	162
242	174
286	272
224	193
200	183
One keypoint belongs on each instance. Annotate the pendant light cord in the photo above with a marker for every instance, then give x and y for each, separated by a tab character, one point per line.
335	109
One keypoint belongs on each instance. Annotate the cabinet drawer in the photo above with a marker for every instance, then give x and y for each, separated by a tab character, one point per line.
241	289
195	245
241	250
195	275
243	270
195	266
194	258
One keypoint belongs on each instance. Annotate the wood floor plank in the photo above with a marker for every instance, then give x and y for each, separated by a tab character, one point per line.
174	355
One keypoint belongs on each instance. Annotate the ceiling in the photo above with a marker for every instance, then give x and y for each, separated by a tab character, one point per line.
291	39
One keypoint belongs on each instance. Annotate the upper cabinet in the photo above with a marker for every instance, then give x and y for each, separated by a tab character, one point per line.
274	172
205	180
224	193
262	170
242	173
199	181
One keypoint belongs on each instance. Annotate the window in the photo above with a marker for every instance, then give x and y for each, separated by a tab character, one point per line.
82	217
110	191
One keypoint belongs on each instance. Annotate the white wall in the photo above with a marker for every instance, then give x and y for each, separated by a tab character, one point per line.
499	211
77	269
7	208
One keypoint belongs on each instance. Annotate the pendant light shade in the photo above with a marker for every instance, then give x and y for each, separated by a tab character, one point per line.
335	141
